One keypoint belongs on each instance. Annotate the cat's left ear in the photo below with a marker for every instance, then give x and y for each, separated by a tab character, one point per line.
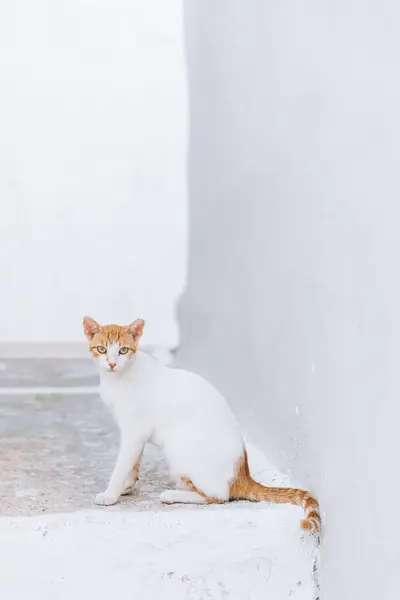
135	329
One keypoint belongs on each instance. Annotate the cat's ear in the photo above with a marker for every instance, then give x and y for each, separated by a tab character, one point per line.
90	327
135	329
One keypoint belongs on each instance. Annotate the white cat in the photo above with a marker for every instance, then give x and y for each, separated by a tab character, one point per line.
184	415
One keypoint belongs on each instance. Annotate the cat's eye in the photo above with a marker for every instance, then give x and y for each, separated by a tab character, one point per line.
124	350
101	349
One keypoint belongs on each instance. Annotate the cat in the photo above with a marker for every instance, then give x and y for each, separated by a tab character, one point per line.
184	415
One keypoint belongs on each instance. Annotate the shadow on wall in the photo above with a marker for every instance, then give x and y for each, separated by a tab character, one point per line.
292	303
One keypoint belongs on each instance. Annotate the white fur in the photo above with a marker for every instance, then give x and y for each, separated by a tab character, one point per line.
177	411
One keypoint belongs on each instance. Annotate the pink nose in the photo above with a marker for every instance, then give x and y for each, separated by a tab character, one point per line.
112	365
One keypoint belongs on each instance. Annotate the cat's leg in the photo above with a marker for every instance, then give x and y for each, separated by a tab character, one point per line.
217	496
181	485
129	454
132	478
182	497
187	493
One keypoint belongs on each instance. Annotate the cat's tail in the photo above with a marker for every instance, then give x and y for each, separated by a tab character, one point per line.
257	492
245	488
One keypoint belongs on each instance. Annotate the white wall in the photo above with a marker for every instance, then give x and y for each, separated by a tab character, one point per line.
293	297
92	166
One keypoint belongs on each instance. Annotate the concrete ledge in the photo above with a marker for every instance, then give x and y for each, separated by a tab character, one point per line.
50	372
191	553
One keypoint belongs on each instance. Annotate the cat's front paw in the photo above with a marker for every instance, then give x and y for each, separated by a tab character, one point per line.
106	499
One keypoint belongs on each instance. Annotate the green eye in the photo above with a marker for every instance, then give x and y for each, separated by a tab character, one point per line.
101	349
124	350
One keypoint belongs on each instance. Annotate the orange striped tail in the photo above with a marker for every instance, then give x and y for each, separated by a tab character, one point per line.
245	488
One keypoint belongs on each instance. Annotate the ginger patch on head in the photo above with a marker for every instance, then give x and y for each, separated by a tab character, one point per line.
113	344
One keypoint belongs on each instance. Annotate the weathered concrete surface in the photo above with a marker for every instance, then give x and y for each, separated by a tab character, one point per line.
57	452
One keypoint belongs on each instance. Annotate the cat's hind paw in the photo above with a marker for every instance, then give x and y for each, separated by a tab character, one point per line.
167	498
105	499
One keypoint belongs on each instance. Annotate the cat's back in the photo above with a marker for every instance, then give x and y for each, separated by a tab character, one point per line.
179	379
163	389
190	391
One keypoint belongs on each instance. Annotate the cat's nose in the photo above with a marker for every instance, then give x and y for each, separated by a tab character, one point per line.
112	365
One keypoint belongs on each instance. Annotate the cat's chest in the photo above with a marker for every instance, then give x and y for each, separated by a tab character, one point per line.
120	402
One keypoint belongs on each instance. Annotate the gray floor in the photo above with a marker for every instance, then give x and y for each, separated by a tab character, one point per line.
56	453
58	450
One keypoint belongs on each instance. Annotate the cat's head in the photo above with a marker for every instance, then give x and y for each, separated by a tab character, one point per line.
112	346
